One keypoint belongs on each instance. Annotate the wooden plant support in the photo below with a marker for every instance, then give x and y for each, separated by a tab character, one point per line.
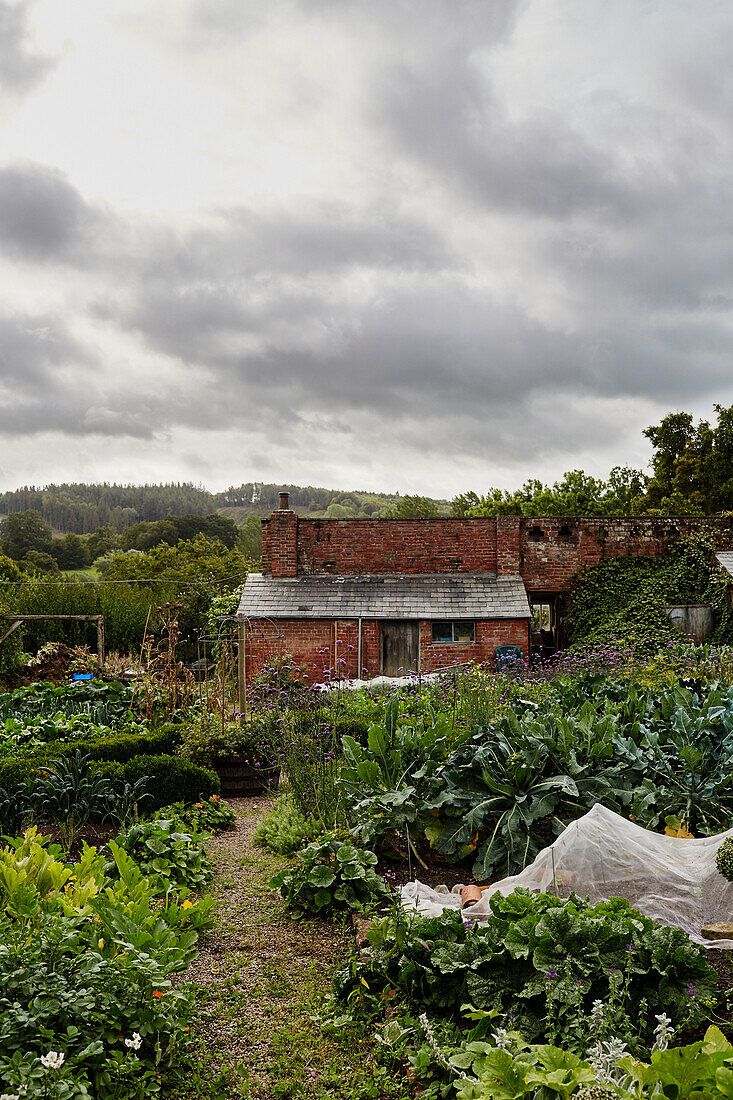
18	620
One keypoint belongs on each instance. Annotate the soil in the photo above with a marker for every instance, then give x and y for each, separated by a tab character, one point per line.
96	836
722	964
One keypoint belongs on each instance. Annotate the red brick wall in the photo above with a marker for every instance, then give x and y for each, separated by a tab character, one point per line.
280	544
553	549
321	649
396	546
544	551
490	633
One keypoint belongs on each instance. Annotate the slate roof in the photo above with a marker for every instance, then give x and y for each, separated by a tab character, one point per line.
725	557
385	596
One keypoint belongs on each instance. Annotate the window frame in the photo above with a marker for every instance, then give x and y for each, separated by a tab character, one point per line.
453	623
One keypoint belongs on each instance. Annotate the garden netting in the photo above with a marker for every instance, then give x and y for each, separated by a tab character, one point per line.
602	855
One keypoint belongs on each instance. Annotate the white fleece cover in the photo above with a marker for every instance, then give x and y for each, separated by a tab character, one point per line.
602	855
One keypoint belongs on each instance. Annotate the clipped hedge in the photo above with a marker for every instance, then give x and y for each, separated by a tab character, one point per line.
173	779
121	748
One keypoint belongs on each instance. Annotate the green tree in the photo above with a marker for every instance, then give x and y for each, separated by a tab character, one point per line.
37	561
101	541
692	465
26	531
413	507
71	551
250	539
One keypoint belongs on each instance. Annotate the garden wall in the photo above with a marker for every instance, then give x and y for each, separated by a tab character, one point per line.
544	551
291	545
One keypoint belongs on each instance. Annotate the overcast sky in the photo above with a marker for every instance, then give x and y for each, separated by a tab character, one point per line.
407	245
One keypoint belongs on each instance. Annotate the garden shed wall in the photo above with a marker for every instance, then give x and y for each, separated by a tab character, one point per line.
540	555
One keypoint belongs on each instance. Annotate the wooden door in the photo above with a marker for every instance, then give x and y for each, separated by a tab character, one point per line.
400	647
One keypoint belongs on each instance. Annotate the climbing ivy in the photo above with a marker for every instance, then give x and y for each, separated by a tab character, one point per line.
621	598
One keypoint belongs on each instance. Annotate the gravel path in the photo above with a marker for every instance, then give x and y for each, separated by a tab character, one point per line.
260	974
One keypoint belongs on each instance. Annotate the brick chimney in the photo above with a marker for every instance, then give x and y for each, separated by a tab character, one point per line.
280	540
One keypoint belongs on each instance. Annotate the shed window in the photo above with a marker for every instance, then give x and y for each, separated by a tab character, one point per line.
542	616
460	632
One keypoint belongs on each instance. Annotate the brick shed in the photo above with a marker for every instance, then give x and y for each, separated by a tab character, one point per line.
378	596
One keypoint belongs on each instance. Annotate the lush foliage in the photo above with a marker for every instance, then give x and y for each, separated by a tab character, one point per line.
541	963
504	787
500	1066
286	829
85	971
207	738
621	598
210	815
99	701
165	853
330	874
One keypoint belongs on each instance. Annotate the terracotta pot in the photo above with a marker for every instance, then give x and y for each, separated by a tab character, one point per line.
239	779
470	895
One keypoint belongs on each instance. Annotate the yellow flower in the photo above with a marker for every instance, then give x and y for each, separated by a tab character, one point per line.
100	944
187	904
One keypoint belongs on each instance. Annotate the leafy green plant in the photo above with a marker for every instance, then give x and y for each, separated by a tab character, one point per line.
701	1069
86	965
386	784
330	874
285	829
68	794
210	815
542	961
14	806
165	853
724	859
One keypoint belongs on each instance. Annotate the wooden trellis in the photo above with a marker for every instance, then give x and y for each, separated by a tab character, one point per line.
18	620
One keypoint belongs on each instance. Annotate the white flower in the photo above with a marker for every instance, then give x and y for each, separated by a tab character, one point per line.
501	1038
662	1032
604	1059
53	1060
10	1096
132	1044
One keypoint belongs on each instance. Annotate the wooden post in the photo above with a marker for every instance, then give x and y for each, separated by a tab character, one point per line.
14	626
100	642
241	669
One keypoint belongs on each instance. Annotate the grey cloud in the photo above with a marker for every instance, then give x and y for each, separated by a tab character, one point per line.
439	354
31	346
20	67
42	216
449	120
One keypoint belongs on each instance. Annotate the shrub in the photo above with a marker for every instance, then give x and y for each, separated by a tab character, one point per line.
119	747
173	779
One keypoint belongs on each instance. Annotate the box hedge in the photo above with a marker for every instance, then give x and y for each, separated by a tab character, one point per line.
121	747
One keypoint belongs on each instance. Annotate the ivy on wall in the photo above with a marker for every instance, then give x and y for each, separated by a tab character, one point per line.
621	598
